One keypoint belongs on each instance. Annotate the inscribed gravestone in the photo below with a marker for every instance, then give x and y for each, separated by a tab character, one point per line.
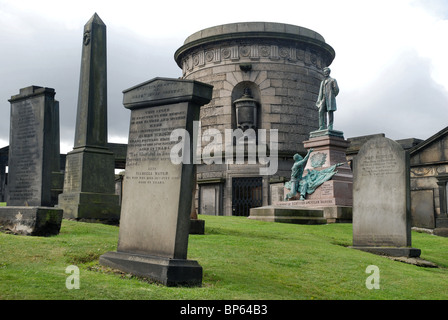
381	199
33	160
33	152
157	199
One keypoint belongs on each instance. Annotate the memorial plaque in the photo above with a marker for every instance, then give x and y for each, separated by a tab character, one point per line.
156	205
381	197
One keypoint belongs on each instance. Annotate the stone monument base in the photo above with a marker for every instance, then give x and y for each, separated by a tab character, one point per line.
441	228
299	212
90	207
391	251
327	132
197	226
169	272
89	186
31	221
333	211
441	232
288	215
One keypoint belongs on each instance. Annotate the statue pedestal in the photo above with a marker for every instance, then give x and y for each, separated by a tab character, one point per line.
330	149
332	201
334	197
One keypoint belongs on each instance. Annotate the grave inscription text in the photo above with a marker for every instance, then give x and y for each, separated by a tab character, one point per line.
24	188
149	141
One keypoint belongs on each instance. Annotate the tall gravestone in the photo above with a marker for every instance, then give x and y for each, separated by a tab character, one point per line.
381	199
157	198
89	182
33	162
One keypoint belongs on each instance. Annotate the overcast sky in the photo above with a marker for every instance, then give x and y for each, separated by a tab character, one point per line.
391	56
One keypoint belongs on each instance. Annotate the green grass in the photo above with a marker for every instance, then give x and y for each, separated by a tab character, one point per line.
241	259
2	204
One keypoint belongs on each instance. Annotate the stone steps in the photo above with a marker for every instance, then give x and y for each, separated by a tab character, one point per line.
288	215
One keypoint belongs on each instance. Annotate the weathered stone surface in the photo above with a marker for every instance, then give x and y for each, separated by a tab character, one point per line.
331	212
89	182
281	65
34	147
32	221
391	251
422	205
33	162
381	199
151	176
288	215
89	186
169	272
429	174
157	198
415	261
197	226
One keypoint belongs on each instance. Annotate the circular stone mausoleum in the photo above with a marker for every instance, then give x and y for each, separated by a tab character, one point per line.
265	76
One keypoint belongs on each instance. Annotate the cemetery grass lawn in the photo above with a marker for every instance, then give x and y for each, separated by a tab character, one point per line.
241	259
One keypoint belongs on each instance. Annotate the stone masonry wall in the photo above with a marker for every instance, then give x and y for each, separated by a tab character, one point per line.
281	65
287	79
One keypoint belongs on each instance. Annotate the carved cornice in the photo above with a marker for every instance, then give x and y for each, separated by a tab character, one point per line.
262	40
245	51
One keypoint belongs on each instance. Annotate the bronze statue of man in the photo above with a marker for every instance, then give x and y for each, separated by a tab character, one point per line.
326	101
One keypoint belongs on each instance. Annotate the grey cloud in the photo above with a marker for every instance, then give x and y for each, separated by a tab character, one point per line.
403	102
56	64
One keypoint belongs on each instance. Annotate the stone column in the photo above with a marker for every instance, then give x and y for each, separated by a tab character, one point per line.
442	220
442	182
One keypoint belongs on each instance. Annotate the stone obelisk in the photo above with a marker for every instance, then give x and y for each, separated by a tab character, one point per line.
89	183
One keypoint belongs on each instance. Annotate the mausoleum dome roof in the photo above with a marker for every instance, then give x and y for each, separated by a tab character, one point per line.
254	30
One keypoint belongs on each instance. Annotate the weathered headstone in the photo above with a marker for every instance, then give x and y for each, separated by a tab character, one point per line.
32	163
157	199
89	182
381	199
